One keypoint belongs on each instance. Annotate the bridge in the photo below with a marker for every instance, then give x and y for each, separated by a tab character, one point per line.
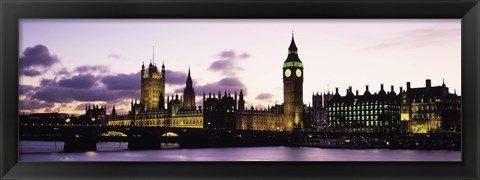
85	138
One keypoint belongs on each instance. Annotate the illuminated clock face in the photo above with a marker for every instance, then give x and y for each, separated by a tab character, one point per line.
288	73
298	72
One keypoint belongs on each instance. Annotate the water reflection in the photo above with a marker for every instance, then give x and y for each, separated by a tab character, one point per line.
46	151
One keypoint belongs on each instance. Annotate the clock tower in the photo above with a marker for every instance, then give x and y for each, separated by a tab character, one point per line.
293	89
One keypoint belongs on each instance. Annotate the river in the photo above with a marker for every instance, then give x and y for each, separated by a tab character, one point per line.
52	151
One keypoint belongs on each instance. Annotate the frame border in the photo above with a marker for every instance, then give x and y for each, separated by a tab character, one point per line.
13	10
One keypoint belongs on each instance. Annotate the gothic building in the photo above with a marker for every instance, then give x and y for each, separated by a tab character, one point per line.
189	94
151	111
227	112
293	88
152	87
318	111
95	115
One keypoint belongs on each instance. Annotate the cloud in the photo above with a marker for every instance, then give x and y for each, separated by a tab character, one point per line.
81	88
46	82
32	104
78	82
418	38
227	64
57	94
175	77
91	69
230	84
23	89
116	56
35	58
264	96
30	72
123	81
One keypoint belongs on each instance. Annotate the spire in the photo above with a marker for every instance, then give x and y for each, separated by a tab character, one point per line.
153	55
443	82
163	64
189	79
293	47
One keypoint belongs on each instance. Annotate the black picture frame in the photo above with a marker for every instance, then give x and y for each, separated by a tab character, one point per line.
468	10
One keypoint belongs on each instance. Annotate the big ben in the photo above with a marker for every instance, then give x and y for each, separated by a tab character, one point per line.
293	89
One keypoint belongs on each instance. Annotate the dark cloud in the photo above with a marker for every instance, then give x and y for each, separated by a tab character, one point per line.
34	58
122	81
227	64
23	89
91	69
63	71
175	77
30	72
264	96
45	82
84	87
57	94
37	56
78	82
32	104
230	84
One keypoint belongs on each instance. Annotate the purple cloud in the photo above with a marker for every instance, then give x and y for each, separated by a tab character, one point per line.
65	95
227	64
175	77
30	72
230	84
78	82
227	54
90	69
45	82
122	81
36	57
23	89
264	96
32	104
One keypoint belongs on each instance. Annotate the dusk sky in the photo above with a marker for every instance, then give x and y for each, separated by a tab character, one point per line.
66	64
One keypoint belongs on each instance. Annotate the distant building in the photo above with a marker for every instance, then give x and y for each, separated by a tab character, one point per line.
318	111
367	113
221	112
44	118
95	115
430	109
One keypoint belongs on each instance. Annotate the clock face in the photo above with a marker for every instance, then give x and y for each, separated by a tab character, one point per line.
288	73
298	72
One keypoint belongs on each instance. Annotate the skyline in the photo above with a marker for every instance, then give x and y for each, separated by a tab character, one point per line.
98	62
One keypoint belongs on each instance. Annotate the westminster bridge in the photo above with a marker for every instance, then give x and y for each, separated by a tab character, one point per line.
85	138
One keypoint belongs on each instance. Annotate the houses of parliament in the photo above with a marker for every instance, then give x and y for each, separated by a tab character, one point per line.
414	110
220	110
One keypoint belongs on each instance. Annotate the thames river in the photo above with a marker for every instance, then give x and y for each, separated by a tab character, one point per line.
52	151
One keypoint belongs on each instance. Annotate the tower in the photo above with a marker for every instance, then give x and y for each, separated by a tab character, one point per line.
241	101
293	88
189	94
152	86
